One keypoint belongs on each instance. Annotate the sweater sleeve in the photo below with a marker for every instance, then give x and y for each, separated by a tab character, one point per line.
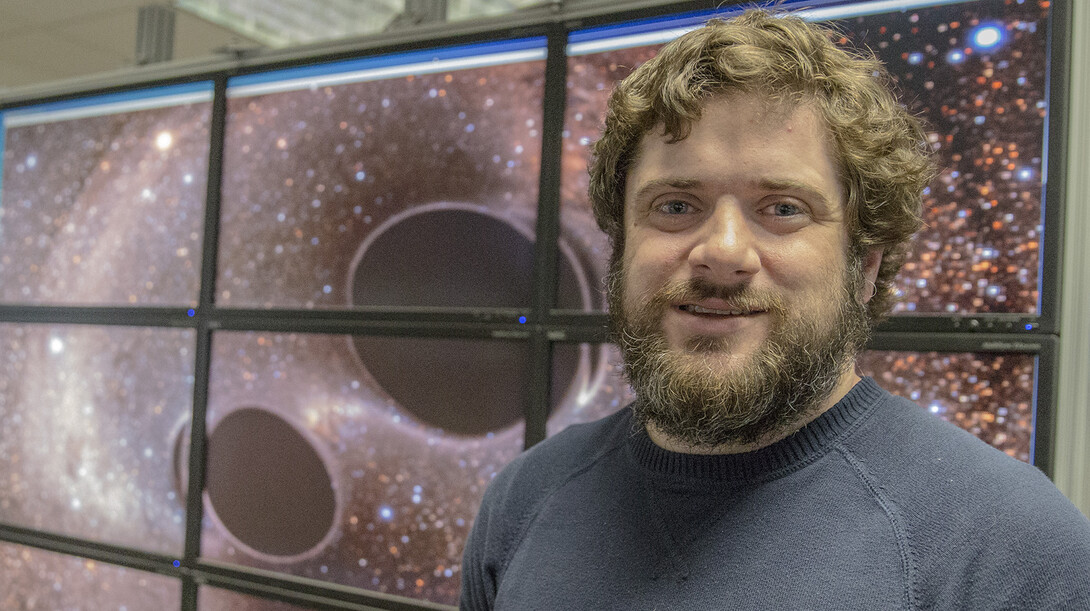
514	496
479	560
496	524
1018	545
1042	563
478	581
983	530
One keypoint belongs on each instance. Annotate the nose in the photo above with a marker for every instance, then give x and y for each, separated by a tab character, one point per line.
727	248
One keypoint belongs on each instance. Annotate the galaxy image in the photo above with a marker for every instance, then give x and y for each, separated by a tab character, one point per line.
367	494
87	420
419	190
32	579
345	482
976	73
105	210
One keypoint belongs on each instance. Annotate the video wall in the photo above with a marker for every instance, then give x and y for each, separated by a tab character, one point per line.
369	342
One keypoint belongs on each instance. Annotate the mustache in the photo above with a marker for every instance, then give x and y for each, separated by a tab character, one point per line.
737	297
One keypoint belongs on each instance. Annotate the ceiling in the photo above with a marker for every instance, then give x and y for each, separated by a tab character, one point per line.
49	40
46	41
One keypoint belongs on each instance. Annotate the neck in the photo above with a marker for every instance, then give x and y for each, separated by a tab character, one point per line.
672	444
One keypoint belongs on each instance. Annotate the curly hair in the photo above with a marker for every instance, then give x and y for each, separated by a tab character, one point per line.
880	149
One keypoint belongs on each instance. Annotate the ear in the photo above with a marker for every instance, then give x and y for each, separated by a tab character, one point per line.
872	260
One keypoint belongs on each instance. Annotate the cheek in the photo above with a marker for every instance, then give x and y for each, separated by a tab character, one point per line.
649	262
807	269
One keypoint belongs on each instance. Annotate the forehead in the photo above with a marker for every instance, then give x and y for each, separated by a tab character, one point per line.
740	139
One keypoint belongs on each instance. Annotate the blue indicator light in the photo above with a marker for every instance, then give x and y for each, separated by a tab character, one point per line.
191	312
177	564
1029	327
522	320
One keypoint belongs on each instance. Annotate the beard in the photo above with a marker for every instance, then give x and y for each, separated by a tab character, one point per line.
694	397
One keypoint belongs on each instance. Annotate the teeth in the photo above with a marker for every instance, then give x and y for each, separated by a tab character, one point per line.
695	309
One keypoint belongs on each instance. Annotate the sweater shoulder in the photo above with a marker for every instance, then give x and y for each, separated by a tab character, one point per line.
546	466
923	458
518	492
919	447
973	515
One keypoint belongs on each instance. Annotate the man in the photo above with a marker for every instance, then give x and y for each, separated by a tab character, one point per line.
760	187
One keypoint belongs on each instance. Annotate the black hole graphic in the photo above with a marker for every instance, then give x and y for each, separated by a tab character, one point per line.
267	484
456	258
467	387
453	258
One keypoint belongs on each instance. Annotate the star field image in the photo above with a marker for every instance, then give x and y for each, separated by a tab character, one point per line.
323	185
33	579
105	210
976	73
87	418
603	394
214	599
320	468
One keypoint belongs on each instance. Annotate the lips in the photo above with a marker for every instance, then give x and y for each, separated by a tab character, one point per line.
693	308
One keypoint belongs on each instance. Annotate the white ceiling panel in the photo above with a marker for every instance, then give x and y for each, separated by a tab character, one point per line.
46	12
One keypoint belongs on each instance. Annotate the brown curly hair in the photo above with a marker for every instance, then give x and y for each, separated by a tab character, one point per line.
880	149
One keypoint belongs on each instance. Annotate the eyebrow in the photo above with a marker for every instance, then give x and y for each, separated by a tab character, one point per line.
787	184
659	183
765	184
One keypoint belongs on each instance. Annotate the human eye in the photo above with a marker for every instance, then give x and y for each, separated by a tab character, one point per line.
673	212
675	207
784	209
784	214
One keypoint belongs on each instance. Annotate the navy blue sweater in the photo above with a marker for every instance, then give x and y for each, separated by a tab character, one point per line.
874	505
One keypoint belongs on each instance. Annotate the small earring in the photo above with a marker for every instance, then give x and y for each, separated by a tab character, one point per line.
873	289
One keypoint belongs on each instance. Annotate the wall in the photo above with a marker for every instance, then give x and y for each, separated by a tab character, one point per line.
1072	469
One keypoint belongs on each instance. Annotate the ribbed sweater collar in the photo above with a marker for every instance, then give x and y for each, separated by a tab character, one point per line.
802	447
